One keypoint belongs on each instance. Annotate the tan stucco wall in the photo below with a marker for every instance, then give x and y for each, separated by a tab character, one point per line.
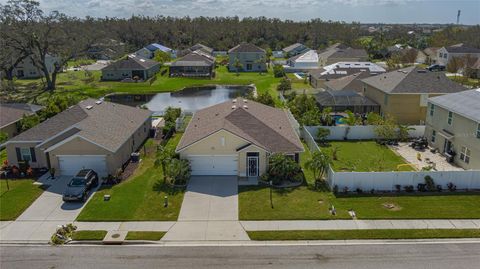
242	160
464	131
39	154
212	145
405	108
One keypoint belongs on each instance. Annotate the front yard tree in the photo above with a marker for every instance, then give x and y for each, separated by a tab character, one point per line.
162	57
318	164
285	85
164	156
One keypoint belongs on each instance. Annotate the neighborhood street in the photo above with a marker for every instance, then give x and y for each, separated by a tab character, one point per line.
392	256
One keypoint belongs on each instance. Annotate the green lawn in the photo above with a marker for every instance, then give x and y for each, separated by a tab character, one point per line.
364	234
78	84
364	156
139	198
153	236
19	197
89	235
299	85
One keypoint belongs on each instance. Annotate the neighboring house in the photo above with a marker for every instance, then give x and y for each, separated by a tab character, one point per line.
12	113
148	52
341	53
446	54
431	54
236	138
403	93
251	57
107	49
27	69
130	67
475	72
342	69
343	100
194	64
202	48
294	49
453	124
302	62
350	82
92	134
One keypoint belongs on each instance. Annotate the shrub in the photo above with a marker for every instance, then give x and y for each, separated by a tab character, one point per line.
285	85
422	187
282	168
278	71
430	184
345	189
398	187
359	190
322	134
451	186
335	189
408	188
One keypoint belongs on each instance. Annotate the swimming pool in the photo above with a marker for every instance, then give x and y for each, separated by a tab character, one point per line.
338	119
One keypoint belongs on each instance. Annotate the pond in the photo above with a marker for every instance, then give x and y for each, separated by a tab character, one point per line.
188	99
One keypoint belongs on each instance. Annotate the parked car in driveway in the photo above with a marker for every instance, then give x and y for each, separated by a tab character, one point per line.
79	186
436	67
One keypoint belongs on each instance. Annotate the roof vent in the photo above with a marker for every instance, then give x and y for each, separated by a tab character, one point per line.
89	107
245	100
245	106
234	100
234	106
98	102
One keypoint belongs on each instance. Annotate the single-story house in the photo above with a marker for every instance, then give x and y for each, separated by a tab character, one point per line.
148	52
250	57
92	134
294	49
236	138
446	54
302	62
194	64
12	113
342	69
343	100
403	93
130	68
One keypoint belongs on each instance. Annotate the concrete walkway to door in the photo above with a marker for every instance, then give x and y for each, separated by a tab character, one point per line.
209	211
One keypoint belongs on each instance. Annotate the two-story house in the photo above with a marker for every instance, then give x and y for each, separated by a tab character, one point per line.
453	125
247	57
403	93
446	54
27	68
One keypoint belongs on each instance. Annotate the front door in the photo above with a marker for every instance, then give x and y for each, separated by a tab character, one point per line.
447	146
252	169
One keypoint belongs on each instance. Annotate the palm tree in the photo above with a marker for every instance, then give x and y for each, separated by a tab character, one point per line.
326	116
403	132
318	164
350	119
164	156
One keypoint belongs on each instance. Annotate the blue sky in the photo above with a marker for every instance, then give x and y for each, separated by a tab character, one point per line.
387	11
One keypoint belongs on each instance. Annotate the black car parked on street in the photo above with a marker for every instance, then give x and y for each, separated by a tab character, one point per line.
79	186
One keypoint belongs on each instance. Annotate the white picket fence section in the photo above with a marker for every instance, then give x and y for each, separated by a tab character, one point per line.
386	181
360	132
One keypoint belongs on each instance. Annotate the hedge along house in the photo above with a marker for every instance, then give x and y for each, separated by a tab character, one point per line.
132	67
403	93
236	138
194	64
92	134
250	57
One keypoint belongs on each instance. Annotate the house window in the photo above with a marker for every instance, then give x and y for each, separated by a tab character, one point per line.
465	155
25	154
445	55
450	117
385	99
478	130
432	109
222	141
441	55
434	134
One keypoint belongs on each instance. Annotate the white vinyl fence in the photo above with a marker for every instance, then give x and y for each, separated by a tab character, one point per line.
386	181
360	132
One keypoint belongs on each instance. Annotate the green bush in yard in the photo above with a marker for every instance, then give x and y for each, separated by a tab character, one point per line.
282	168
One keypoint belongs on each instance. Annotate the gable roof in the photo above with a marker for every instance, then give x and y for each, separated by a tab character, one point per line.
155	46
342	69
414	80
292	47
465	103
196	58
131	62
245	47
308	56
461	48
261	125
349	53
13	112
352	81
201	47
104	123
343	98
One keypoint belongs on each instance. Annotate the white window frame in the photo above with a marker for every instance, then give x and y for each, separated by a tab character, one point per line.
26	154
222	141
450	118
465	154
434	136
432	109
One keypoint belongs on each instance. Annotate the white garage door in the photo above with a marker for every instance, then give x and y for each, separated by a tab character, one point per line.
214	165
70	165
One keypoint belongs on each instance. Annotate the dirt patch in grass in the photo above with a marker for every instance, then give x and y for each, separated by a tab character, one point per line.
392	206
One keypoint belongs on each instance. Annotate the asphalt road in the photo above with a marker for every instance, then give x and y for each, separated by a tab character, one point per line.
456	255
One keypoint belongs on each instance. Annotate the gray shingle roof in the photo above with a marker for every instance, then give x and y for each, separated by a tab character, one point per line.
13	112
246	47
414	80
201	47
466	103
196	58
107	124
460	48
132	63
262	125
342	98
292	47
349	53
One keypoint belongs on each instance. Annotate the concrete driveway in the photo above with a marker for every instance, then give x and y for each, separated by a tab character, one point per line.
40	220
210	198
209	211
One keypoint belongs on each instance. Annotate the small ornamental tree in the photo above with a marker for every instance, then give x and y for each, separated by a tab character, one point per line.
322	134
318	164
